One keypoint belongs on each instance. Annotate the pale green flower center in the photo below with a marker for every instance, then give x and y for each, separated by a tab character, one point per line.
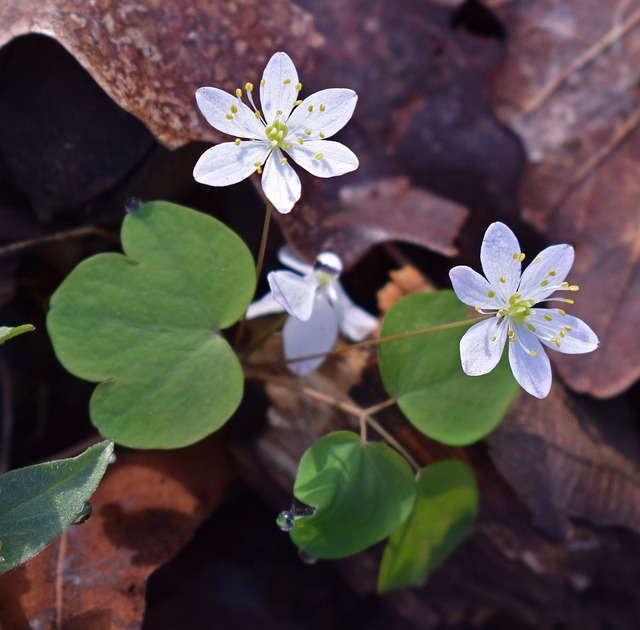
276	133
518	309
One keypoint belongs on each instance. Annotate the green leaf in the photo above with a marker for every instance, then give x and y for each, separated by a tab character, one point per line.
7	332
146	325
361	492
425	375
38	503
444	513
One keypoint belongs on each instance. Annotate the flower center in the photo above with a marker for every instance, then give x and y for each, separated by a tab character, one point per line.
276	133
518	309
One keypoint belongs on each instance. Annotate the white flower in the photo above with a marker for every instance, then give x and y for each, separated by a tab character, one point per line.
318	305
285	124
512	296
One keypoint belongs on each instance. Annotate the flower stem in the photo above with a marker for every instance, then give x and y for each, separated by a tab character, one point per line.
263	241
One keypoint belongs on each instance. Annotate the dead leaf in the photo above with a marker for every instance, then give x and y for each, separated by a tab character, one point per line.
404	281
568	459
569	89
146	508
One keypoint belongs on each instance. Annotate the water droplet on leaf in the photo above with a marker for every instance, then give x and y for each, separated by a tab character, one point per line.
285	521
84	515
132	204
306	558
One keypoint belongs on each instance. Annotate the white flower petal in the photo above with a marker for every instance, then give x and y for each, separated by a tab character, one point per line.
355	323
500	267
324	158
473	289
296	294
536	282
337	108
280	183
316	335
266	305
481	347
289	259
229	163
533	373
216	105
570	334
278	87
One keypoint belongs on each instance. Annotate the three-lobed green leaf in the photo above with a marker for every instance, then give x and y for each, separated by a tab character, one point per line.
444	513
423	372
361	492
38	503
145	325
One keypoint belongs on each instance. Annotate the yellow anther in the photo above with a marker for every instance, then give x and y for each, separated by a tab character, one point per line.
257	164
510	332
567	328
562	333
521	257
548	317
298	86
568	301
533	353
258	114
531	327
561	312
310	108
574	287
319	156
514	255
503	279
544	283
564	285
512	338
300	141
322	107
283	160
538	260
287	81
308	132
493	338
289	145
556	341
279	112
491	294
552	272
262	82
296	103
238	141
230	116
234	109
478	308
322	134
502	312
238	92
248	87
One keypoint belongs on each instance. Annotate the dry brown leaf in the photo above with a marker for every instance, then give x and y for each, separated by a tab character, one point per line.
151	57
567	459
569	89
403	281
146	508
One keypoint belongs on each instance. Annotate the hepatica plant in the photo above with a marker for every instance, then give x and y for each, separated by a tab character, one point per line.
149	327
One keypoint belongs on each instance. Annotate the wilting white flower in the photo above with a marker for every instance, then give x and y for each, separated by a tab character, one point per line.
285	125
512	296
318	305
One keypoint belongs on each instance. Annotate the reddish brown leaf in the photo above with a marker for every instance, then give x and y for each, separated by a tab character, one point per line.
569	88
146	508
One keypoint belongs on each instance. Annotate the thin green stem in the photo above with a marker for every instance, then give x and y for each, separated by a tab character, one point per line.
378	342
263	241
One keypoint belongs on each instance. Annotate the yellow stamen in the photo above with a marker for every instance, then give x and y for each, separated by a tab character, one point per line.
298	86
514	255
493	338
544	283
262	82
279	112
521	257
533	353
574	287
552	272
561	312
548	317
322	134
308	132
296	103
564	285
568	301
491	294
503	279
502	312
562	333
238	141
238	92
234	109
322	107
568	328
531	327
283	160
319	156
538	260
248	87
300	141
230	116
310	108
287	81
258	114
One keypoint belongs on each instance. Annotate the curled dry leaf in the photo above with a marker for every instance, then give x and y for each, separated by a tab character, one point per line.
150	57
146	508
569	89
